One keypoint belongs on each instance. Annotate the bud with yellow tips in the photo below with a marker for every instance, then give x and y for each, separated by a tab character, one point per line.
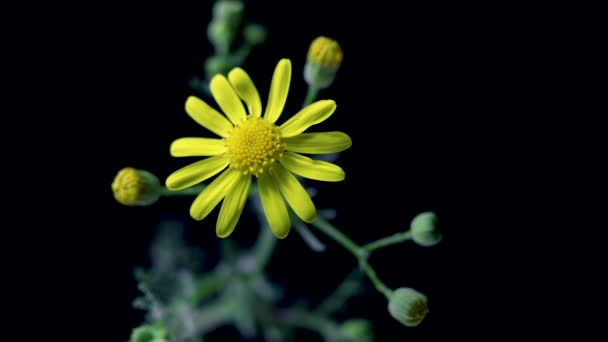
323	60
133	187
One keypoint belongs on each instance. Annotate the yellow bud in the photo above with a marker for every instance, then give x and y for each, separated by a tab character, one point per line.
325	52
322	62
133	187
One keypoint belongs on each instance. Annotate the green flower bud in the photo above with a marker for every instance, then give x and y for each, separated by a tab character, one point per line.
220	35
133	187
146	333
425	230
408	306
356	330
142	334
216	65
322	62
227	10
254	34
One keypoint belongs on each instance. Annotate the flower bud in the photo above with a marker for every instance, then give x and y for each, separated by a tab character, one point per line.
133	187
227	10
254	34
425	230
322	62
146	333
356	330
216	65
224	24
408	306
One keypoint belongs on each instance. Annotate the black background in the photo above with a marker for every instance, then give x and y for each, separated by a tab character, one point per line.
425	92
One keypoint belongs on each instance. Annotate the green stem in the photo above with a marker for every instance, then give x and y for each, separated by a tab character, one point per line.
264	246
387	241
331	231
195	190
311	95
371	274
359	253
209	318
348	288
299	318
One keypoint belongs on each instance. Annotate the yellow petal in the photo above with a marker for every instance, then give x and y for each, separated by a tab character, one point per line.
242	83
279	87
208	117
227	99
213	194
191	147
232	207
308	116
274	207
196	172
313	169
294	194
318	143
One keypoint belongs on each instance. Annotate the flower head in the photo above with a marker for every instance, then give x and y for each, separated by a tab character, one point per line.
135	187
251	144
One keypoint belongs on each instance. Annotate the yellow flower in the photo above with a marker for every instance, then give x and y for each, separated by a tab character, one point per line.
252	145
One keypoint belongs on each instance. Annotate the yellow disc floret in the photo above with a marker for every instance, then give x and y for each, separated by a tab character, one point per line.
254	146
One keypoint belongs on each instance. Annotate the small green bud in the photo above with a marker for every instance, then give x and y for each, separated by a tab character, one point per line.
133	187
322	62
356	330
425	230
254	34
408	306
227	9
146	333
220	35
142	334
216	65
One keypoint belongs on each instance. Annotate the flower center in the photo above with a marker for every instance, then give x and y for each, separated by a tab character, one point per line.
254	146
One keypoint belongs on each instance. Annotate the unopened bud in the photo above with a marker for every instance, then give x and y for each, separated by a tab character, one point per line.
425	230
408	306
147	333
322	62
133	187
356	330
254	34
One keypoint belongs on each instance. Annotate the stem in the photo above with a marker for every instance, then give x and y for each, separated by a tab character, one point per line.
209	318
378	284
337	235
264	246
387	241
311	95
303	319
359	253
195	190
348	288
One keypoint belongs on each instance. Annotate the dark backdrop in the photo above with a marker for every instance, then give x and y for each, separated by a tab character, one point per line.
421	92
